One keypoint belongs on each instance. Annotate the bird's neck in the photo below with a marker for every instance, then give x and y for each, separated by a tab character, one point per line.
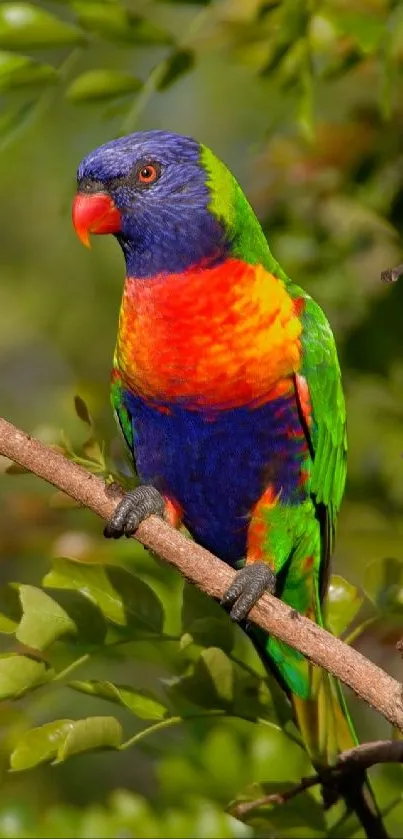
218	336
153	264
205	239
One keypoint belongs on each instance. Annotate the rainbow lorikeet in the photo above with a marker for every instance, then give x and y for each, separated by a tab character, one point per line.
226	386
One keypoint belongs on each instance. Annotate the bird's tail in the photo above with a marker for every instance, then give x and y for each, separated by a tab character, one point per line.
325	725
323	719
319	705
327	730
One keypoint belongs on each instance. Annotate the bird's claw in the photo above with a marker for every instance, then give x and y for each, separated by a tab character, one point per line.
248	586
134	507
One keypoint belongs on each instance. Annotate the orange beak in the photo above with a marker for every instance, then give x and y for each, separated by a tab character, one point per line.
95	213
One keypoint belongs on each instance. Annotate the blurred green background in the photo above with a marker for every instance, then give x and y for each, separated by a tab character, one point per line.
304	101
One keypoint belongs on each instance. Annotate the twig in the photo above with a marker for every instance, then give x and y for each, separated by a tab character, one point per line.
245	807
369	754
391	275
360	757
212	575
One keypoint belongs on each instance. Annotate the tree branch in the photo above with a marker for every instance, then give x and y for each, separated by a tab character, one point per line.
360	757
212	575
392	275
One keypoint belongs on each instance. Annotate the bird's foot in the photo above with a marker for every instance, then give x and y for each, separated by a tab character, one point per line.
248	586
135	506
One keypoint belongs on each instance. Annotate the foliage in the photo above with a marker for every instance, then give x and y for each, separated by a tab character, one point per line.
131	705
209	682
302	44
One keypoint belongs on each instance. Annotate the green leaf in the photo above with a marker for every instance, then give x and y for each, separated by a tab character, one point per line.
383	584
39	744
196	604
90	734
142	608
60	739
43	619
204	621
80	406
221	672
48	617
253	698
19	674
20	71
138	702
343	603
10	609
115	23
86	616
210	682
368	30
292	29
91	581
123	598
177	65
98	85
93	451
25	26
215	681
210	632
340	65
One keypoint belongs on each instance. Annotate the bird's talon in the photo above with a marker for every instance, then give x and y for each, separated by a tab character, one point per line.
135	506
247	588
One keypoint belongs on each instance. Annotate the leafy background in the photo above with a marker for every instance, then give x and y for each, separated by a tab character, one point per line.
131	706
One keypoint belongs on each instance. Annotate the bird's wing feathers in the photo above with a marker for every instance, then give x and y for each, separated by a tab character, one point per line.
123	416
327	425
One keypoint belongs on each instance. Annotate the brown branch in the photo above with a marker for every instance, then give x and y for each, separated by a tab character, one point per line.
239	811
361	757
369	754
392	275
212	575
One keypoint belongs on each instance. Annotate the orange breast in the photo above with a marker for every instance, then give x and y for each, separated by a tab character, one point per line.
214	337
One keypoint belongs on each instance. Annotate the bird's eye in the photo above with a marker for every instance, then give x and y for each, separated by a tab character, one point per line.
148	173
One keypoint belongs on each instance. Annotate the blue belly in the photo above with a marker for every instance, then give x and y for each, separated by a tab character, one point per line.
217	468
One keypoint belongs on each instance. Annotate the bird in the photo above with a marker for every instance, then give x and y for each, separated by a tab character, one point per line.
227	388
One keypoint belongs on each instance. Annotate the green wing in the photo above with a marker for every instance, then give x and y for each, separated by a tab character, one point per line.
327	431
325	721
122	415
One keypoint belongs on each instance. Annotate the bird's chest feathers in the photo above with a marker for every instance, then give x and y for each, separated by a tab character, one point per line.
217	337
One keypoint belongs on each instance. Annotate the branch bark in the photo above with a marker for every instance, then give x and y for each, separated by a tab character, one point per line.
212	575
360	757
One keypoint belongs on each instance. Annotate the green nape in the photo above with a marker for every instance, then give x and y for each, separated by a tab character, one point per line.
229	205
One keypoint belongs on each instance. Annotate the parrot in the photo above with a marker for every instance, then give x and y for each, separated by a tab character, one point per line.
227	389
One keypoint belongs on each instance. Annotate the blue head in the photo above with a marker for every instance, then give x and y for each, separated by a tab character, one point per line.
154	193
